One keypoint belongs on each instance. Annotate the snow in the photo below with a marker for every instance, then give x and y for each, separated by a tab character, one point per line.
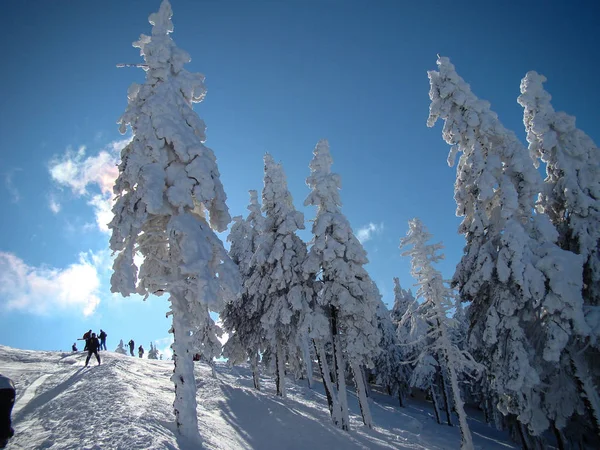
126	403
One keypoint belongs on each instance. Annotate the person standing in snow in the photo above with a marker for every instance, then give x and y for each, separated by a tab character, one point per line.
93	345
141	351
86	337
7	401
74	347
131	346
102	337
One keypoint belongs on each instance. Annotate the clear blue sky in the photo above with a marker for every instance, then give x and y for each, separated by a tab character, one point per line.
280	76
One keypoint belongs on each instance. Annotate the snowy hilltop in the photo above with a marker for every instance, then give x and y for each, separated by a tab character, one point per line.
126	403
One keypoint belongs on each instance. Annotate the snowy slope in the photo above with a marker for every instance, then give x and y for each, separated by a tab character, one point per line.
126	403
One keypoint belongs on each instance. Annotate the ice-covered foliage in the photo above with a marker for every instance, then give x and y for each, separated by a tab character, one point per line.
277	280
242	316
438	301
347	293
571	199
403	299
525	291
169	199
121	349
153	352
388	367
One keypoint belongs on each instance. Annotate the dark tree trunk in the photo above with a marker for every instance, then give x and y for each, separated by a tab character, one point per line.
323	375
436	408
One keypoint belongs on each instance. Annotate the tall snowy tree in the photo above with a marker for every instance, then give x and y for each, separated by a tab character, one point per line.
403	299
525	291
347	295
277	278
571	198
241	317
169	199
438	300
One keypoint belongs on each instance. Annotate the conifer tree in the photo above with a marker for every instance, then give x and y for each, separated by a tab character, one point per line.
403	299
571	198
346	291
438	301
277	278
169	199
525	291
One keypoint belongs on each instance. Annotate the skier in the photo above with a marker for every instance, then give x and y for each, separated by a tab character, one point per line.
102	337
92	345
74	347
7	401
86	337
141	351
131	347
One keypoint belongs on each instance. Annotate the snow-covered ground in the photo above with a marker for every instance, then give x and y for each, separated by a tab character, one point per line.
126	403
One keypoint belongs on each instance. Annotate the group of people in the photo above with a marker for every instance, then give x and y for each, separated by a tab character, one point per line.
132	346
93	344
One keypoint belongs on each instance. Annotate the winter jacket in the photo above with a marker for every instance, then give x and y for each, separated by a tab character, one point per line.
93	344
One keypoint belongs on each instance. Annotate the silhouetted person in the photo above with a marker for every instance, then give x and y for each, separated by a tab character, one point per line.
102	337
141	351
86	337
93	344
74	347
131	347
7	401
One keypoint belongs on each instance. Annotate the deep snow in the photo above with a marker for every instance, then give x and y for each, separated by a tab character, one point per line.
126	403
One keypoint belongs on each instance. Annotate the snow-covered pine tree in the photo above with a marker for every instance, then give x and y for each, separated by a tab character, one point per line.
153	352
121	349
241	317
571	198
347	295
438	300
167	190
388	367
276	279
402	300
525	291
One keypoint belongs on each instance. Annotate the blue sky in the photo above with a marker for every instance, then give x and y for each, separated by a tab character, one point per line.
280	75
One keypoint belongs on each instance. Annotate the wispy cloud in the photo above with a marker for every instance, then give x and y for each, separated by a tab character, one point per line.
79	172
10	185
164	346
53	204
46	290
367	232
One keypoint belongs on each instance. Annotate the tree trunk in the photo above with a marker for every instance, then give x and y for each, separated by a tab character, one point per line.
334	406
442	382
307	361
255	373
280	367
559	437
186	417
340	369
467	439
359	381
436	408
367	385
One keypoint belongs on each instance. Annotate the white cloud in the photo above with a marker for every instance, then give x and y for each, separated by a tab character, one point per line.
164	346
10	185
46	290
367	232
54	205
78	172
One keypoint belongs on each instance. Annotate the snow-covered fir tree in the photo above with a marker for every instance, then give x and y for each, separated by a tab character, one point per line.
241	317
388	367
277	280
121	349
525	291
571	198
169	199
402	300
153	352
438	300
346	290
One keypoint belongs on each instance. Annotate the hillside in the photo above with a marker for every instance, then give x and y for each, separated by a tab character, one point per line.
126	403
